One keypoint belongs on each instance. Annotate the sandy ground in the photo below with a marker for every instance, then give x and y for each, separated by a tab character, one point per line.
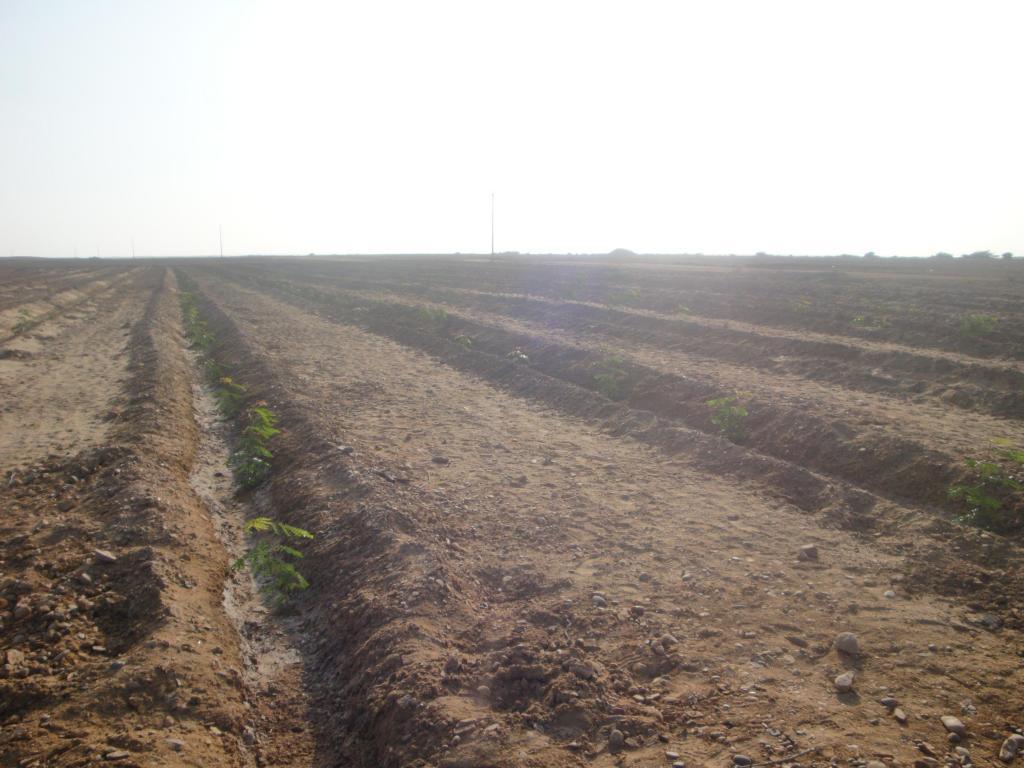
510	568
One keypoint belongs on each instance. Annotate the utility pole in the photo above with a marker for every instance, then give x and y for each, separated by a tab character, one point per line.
220	230
492	225
133	247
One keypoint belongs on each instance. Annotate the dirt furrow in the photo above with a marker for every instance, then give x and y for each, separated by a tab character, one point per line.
113	635
955	434
41	280
890	465
61	382
549	589
912	310
972	384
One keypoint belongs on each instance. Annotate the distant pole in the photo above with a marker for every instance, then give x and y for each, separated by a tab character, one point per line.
492	225
133	247
220	231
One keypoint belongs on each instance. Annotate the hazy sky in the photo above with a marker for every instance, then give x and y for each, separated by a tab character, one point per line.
788	127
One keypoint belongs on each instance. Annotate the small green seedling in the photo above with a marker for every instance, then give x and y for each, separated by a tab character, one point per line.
730	416
977	325
432	315
270	558
985	497
229	395
24	322
464	341
611	377
251	462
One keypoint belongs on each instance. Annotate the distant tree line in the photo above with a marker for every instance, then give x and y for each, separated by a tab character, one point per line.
975	255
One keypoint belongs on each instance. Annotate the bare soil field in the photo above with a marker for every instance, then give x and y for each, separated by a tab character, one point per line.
535	542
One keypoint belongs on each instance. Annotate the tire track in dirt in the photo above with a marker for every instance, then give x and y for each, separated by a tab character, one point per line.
573	553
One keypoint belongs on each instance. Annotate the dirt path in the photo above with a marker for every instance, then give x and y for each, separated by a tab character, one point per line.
60	380
613	589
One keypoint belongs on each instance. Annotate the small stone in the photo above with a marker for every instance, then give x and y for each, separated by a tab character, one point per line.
483	692
119	754
900	715
844	682
599	601
15	657
616	739
1010	748
954	725
103	556
889	702
672	755
583	669
741	760
847	643
808	552
926	762
889	594
176	744
876	764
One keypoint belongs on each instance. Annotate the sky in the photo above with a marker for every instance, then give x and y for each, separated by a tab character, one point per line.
803	127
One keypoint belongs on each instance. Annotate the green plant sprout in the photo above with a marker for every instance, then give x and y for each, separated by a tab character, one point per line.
270	557
984	497
229	395
251	462
432	315
25	321
610	377
977	325
730	416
